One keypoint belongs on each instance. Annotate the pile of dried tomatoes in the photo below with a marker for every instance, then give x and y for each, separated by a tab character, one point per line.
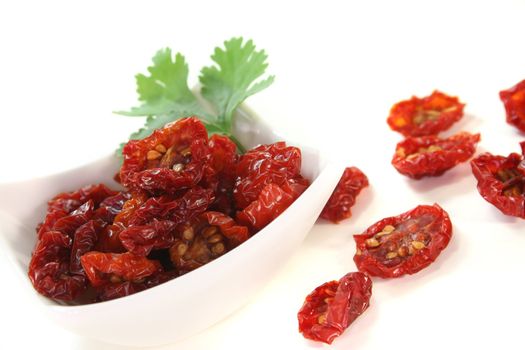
187	199
407	243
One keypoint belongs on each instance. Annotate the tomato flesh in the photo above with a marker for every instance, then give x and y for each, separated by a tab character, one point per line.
403	244
333	306
425	116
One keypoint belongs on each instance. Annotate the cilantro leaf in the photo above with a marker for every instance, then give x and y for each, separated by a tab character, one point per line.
165	91
229	84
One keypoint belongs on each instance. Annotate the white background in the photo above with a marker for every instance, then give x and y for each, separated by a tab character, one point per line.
64	66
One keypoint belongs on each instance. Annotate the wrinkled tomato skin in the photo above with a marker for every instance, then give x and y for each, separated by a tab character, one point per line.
272	201
429	226
84	240
101	268
413	158
425	116
333	306
514	101
489	169
235	234
121	289
219	173
49	268
69	201
141	170
264	165
344	196
141	240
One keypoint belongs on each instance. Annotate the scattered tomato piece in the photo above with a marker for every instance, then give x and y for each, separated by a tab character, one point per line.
514	101
425	116
403	244
501	181
417	157
333	306
344	196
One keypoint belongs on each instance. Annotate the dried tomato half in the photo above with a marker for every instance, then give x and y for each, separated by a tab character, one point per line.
272	201
264	165
425	116
416	157
403	244
514	101
204	239
64	204
170	159
121	289
344	196
49	268
501	181
333	306
102	268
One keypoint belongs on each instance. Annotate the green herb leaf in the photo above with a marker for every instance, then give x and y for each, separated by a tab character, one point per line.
165	91
229	84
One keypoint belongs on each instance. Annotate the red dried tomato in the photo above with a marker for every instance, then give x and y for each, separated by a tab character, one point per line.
64	204
49	268
344	196
69	201
193	202
432	156
501	181
403	244
170	159
102	268
112	206
204	239
514	102
272	201
121	289
109	241
84	240
220	173
140	240
264	165
425	116
333	306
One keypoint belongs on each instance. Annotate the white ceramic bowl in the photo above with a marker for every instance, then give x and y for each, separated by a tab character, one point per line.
185	305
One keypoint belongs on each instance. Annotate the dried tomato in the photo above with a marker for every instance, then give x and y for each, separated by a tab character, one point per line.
170	159
102	268
69	201
264	165
333	306
425	116
109	241
121	289
49	268
403	244
432	156
167	207
140	240
514	101
220	173
501	181
204	239
272	201
110	207
344	196
84	240
64	204
78	217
